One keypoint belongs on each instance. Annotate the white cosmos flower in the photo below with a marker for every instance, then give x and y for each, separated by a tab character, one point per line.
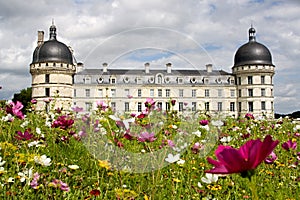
34	143
197	133
180	162
210	178
2	162
38	130
42	160
217	123
25	175
73	167
172	159
226	139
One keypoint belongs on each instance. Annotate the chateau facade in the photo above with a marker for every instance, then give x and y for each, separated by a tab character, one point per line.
247	89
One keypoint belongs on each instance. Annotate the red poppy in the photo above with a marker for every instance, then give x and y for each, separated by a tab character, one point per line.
246	158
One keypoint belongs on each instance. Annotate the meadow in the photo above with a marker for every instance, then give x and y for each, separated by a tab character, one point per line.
153	155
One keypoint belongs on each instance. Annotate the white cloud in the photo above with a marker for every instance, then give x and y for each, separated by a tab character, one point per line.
220	27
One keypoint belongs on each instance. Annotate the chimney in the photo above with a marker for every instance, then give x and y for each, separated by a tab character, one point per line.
169	70
104	67
79	67
147	68
209	68
40	38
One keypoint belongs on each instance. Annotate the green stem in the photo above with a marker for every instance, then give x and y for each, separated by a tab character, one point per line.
253	188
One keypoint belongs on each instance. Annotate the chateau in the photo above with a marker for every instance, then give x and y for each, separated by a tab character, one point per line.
248	88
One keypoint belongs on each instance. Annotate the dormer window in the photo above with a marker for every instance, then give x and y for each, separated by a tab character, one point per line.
179	80
87	80
112	80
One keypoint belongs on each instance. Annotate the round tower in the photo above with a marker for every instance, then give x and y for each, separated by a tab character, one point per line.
52	71
254	73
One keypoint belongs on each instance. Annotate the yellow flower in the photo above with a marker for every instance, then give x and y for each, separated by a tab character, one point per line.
176	180
214	187
104	164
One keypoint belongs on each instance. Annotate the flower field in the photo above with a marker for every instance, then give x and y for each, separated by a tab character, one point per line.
153	155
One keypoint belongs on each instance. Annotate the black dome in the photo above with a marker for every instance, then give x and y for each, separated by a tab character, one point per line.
52	50
252	52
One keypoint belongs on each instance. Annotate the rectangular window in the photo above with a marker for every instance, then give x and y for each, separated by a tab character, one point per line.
113	105
159	105
113	92
87	92
194	106
74	93
112	80
250	82
159	92
206	106
151	92
232	107
206	93
126	104
263	92
167	106
87	106
139	106
167	92
180	106
240	93
47	78
47	92
263	105
250	92
220	92
139	92
239	81
262	79
232	93
219	106
194	93
240	106
126	91
180	92
250	106
100	92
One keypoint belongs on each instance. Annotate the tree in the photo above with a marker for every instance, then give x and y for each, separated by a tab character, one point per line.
24	97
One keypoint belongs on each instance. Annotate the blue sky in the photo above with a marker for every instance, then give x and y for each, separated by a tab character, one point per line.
193	31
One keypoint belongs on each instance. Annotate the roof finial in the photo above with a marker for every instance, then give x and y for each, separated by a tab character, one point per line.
52	31
251	33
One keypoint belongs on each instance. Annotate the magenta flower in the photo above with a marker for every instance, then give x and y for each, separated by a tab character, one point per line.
77	109
196	147
149	103
289	145
33	101
63	122
102	105
63	186
244	159
15	109
173	102
203	122
271	158
249	116
34	183
145	136
23	136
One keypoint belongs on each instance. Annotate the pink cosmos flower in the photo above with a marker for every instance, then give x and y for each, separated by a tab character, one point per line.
289	145
63	186
77	109
145	136
102	105
15	109
63	122
203	122
244	159
34	183
33	101
23	136
249	116
149	103
271	158
196	147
